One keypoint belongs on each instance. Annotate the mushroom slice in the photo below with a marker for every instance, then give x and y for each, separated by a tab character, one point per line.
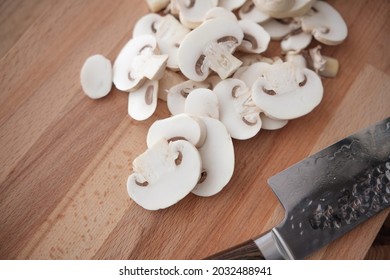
170	33
256	39
237	110
231	5
296	41
164	174
325	23
202	102
138	61
250	12
321	64
268	123
96	76
218	12
157	5
177	95
284	8
179	127
192	12
249	59
143	102
217	154
253	72
286	91
296	58
278	29
169	80
146	25
209	47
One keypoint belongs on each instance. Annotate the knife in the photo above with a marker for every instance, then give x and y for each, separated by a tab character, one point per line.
325	196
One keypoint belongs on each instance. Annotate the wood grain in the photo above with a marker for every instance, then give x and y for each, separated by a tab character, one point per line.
65	158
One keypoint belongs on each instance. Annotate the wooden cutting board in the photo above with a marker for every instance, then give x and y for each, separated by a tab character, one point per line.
65	158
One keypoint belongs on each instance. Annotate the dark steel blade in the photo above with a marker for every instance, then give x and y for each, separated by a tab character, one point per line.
334	190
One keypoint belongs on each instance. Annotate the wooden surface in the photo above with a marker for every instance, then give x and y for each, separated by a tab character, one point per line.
65	158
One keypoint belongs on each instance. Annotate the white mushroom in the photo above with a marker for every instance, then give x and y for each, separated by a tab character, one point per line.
169	80
268	123
192	12
177	95
256	39
279	28
286	91
253	72
202	102
325	23
284	8
231	4
249	12
209	47
157	5
217	154
296	58
146	25
164	174
249	59
237	110
179	127
218	12
136	62
96	76
169	35
143	101
295	41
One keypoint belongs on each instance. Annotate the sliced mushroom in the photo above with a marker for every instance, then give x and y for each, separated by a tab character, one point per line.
179	127
286	91
218	12
164	174
202	102
296	41
321	64
169	80
143	102
297	59
278	29
325	23
169	35
96	76
231	4
157	5
217	154
253	72
209	47
249	59
192	12
237	110
268	123
146	25
284	8
136	62
177	95
249	12
256	39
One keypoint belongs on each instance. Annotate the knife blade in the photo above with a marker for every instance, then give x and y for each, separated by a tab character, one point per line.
325	196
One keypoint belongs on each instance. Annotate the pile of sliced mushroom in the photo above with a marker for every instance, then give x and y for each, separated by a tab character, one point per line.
203	57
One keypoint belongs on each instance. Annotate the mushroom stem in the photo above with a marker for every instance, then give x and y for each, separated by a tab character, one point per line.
221	60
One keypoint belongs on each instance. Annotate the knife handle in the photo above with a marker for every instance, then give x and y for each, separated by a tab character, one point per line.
268	246
245	251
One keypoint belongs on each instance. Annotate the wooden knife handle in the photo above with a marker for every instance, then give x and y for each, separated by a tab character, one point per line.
244	251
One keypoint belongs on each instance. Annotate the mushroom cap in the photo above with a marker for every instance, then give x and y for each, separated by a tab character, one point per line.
218	12
146	25
250	12
164	174
237	111
231	4
143	102
217	154
182	126
256	39
325	23
268	123
278	29
286	91
222	31
136	61
192	13
177	95
96	76
284	8
202	102
296	41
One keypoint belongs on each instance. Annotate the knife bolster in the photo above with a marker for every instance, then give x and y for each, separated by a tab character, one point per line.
273	247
